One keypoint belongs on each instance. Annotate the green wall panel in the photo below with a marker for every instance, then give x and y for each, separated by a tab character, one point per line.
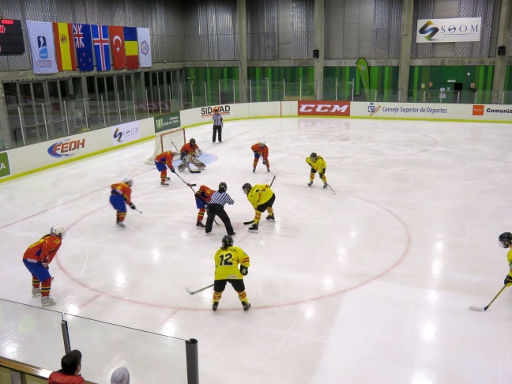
284	83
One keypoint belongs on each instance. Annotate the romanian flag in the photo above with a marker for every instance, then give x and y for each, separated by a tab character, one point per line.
132	47
64	46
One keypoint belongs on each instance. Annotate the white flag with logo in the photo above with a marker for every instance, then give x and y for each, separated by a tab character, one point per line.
42	47
144	47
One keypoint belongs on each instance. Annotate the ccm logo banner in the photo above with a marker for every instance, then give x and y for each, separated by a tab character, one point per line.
324	108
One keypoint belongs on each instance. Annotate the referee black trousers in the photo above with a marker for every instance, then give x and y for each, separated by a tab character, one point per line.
217	129
218	210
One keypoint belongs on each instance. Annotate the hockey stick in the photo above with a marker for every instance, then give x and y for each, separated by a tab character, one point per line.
248	222
199	290
478	309
272	182
331	188
138	211
188	184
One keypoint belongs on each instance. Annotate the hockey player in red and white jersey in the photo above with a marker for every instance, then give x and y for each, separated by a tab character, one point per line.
189	153
162	162
203	197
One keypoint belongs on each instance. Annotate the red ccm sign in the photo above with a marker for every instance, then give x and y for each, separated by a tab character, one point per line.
324	108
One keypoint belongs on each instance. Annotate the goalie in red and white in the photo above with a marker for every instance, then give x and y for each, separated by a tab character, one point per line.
260	150
189	153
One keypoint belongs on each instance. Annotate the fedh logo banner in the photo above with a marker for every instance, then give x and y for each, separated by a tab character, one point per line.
125	133
448	30
66	148
5	168
324	108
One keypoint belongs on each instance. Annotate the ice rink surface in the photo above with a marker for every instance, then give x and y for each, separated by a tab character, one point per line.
371	283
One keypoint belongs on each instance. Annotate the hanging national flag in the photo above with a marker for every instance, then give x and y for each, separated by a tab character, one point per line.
117	43
101	47
144	47
132	48
40	35
64	46
82	36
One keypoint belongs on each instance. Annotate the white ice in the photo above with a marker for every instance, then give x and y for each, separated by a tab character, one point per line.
371	283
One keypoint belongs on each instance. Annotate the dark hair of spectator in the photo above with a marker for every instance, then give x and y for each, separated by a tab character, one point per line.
71	361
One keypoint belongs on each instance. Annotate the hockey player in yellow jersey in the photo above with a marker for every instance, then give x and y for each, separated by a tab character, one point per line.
231	265
262	198
317	163
506	242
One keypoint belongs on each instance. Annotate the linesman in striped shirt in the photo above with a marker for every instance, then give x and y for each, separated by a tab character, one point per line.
216	208
217	126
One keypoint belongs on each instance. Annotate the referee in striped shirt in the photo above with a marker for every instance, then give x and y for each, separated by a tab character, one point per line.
216	208
217	126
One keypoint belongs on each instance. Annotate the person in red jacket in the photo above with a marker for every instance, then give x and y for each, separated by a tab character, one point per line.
71	364
37	259
162	161
203	197
189	153
260	150
119	197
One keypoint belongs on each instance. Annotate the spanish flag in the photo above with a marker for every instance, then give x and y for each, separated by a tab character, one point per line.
64	46
132	47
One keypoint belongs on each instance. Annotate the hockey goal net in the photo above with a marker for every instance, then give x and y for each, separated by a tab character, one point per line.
171	140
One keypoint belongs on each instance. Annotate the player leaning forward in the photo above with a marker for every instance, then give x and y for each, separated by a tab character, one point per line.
506	242
262	198
227	270
37	259
317	163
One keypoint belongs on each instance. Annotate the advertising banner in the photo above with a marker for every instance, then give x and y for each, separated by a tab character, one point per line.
492	112
164	122
411	110
5	168
40	35
448	30
324	108
124	133
364	73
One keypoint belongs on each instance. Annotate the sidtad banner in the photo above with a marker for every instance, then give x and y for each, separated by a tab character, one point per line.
144	39
117	43
448	30
40	35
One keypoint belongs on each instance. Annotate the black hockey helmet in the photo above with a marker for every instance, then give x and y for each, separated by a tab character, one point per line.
246	188
505	239
227	241
313	156
192	142
223	187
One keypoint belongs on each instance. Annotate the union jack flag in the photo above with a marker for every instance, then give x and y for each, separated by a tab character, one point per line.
78	35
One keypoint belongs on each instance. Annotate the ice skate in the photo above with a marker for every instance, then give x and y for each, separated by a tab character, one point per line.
310	184
246	306
200	224
120	223
36	292
271	217
253	228
215	305
325	185
164	183
47	301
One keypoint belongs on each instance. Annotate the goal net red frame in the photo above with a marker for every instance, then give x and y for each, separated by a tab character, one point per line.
169	140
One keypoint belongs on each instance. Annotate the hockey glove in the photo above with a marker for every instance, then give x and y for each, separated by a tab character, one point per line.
244	270
132	206
198	152
173	170
508	281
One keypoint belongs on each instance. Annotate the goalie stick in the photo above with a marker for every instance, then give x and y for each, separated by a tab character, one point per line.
478	309
199	290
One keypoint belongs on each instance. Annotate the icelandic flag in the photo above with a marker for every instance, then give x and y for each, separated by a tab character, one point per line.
101	47
83	44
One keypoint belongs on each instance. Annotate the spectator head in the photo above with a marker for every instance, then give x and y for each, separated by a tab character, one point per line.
120	376
71	362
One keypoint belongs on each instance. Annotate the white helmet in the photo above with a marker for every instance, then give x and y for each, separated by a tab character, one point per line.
57	230
127	181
